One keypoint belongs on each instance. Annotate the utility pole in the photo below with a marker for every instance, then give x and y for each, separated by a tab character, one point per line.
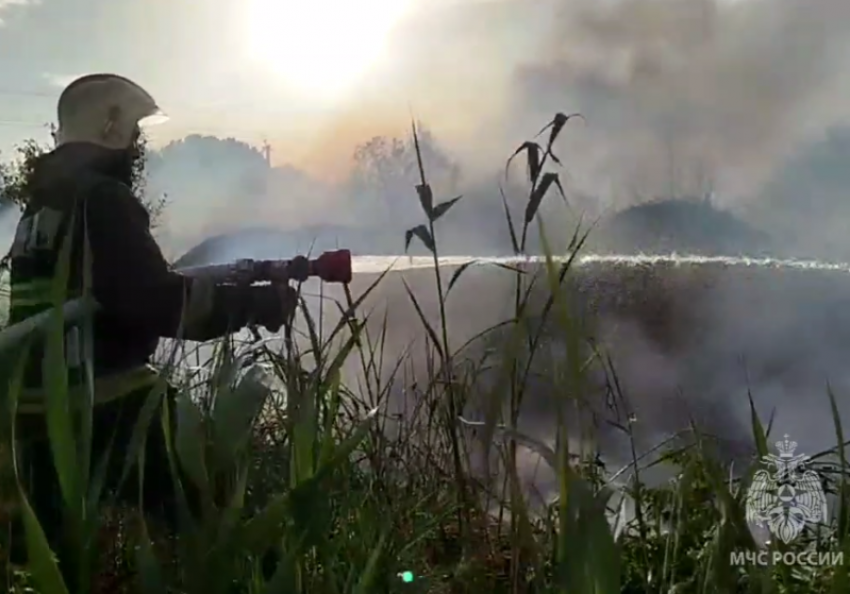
267	152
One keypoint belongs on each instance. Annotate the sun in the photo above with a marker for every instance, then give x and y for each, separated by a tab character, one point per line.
321	47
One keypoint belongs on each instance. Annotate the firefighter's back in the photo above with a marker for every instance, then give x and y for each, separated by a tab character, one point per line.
49	259
43	250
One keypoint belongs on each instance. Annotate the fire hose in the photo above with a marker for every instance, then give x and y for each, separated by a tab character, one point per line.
330	267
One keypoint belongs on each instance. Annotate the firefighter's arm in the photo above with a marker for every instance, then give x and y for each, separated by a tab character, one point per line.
132	280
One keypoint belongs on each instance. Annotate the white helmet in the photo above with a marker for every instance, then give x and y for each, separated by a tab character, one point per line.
104	109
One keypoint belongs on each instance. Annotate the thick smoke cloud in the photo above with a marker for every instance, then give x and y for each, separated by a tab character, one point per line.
688	96
680	97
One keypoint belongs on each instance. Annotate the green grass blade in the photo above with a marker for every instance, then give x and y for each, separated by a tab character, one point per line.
42	563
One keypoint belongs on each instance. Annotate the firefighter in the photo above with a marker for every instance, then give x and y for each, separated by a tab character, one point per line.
81	193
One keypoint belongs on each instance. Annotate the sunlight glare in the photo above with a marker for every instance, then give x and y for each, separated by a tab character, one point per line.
321	47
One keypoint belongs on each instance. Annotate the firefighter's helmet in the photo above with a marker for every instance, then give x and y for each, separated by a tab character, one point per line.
106	110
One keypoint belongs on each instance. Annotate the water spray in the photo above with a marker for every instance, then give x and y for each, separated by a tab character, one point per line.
337	267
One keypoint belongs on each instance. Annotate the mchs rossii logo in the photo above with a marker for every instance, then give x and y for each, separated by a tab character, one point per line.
784	497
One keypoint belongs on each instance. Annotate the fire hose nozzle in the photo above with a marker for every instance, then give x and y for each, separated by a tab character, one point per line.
333	267
330	267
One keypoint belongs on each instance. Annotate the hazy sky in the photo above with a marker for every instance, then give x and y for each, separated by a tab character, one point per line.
674	91
281	70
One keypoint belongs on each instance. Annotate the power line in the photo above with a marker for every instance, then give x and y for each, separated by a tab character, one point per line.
23	123
170	131
13	92
194	108
27	93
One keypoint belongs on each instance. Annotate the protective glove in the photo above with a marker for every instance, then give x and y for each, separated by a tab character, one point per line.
272	306
298	268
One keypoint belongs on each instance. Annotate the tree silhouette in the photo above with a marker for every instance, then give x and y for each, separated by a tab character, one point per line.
209	165
16	178
385	174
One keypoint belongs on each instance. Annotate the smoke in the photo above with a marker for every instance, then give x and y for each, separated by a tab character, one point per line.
680	97
691	342
688	96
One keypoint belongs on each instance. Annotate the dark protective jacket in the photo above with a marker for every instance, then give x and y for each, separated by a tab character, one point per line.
141	298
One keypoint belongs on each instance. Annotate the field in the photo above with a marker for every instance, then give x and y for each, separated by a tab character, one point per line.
353	467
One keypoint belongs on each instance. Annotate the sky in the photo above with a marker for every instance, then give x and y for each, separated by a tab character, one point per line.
229	67
678	95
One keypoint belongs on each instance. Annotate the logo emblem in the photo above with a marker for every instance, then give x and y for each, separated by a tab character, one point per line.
787	499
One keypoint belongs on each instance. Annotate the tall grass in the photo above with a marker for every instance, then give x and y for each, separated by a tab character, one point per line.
292	457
